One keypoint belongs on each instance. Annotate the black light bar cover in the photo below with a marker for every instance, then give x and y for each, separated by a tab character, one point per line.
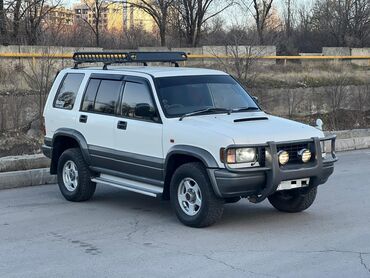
158	56
128	57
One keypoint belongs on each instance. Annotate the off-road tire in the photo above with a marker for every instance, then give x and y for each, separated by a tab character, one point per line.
85	188
211	209
292	201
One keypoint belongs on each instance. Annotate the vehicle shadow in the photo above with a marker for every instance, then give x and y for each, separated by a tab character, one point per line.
243	213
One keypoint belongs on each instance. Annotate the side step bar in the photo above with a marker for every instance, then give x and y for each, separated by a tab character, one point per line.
130	185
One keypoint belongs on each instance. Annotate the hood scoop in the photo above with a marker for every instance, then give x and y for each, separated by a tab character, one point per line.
250	119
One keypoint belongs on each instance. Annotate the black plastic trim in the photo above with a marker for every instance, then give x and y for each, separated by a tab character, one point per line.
128	163
78	137
250	119
107	76
206	157
47	151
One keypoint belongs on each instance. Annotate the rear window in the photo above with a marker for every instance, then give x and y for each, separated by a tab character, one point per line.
67	92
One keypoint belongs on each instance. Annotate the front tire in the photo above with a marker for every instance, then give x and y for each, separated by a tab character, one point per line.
193	198
292	201
74	176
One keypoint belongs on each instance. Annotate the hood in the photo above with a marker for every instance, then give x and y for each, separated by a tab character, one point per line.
253	127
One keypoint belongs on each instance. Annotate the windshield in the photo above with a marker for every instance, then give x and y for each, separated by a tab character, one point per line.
180	95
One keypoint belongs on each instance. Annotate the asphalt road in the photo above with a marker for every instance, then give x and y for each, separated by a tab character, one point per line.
121	234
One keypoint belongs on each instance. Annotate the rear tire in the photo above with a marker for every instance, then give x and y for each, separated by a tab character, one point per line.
193	198
292	201
74	176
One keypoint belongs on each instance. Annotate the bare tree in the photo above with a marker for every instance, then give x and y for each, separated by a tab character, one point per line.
195	13
35	13
17	15
3	30
288	18
360	21
261	12
159	11
338	95
39	77
242	56
347	22
97	8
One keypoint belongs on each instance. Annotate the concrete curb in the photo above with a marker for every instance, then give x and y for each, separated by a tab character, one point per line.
23	162
349	140
26	178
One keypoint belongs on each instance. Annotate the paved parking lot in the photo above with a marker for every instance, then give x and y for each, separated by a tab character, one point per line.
121	234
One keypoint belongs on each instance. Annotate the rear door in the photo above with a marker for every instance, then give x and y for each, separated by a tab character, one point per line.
97	116
138	131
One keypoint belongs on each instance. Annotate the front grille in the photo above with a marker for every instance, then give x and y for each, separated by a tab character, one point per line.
262	156
293	149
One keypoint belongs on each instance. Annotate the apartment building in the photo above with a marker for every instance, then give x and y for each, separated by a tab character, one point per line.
114	16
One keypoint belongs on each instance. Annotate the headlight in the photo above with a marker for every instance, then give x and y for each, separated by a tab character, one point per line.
241	155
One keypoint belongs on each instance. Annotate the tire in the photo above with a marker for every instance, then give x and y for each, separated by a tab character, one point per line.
80	188
194	176
232	200
292	201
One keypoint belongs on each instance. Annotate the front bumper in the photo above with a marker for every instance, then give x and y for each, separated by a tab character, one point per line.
260	182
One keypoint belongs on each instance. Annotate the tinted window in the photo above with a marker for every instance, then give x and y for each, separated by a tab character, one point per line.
134	96
107	97
67	92
90	95
185	94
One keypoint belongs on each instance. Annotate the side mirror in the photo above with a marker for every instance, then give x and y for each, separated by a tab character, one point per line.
255	99
319	124
144	110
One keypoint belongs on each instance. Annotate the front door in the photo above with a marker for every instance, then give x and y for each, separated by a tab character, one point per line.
138	132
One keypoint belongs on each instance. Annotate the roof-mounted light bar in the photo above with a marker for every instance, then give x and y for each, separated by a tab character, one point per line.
109	58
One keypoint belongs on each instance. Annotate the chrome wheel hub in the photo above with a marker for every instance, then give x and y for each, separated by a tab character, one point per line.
70	175
189	196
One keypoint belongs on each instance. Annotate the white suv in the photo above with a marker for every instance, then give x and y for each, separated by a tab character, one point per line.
192	136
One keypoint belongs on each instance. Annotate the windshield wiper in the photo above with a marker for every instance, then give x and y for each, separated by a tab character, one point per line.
244	109
208	110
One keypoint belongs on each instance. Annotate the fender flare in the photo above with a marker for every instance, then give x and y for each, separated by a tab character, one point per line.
206	157
72	133
203	155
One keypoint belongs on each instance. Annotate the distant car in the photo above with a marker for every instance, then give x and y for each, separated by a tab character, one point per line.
191	136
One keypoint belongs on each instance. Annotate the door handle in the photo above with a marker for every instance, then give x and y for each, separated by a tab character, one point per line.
122	125
83	119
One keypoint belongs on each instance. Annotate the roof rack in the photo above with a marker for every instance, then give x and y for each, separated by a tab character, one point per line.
109	58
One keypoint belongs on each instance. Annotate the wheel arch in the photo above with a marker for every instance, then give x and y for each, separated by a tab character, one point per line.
64	139
181	154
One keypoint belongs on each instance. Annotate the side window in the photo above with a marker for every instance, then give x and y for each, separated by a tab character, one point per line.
137	102
66	95
107	97
102	96
90	95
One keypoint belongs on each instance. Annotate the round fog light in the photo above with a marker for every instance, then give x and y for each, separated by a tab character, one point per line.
283	157
305	155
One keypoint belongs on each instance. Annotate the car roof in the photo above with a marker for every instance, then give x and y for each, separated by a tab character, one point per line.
159	71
